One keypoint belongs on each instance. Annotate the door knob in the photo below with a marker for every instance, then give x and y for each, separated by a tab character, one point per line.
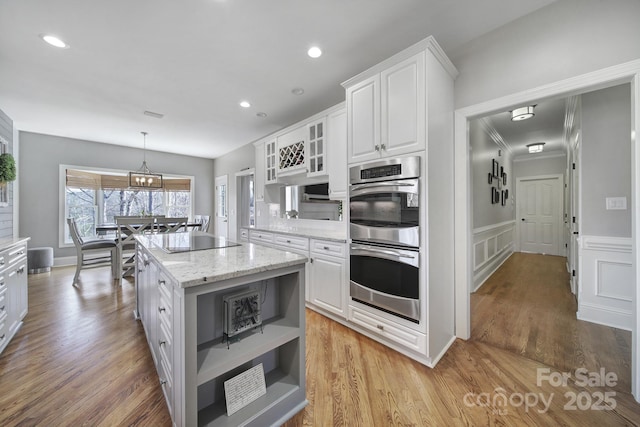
522	219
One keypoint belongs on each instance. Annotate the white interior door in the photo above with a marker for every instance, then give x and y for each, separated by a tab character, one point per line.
539	205
222	217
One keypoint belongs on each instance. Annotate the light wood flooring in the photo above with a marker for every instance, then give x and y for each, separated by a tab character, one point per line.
81	359
527	307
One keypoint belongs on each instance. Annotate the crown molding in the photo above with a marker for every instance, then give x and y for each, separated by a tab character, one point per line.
495	136
545	155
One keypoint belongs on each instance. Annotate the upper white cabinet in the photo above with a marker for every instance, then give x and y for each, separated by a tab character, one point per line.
291	152
259	178
387	104
270	161
317	152
337	153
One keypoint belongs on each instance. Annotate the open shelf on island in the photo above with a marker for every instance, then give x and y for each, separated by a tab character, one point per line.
214	358
279	387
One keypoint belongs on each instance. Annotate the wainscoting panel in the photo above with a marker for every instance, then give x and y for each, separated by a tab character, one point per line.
606	288
492	245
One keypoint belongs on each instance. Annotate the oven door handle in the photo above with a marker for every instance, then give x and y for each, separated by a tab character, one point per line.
382	184
387	253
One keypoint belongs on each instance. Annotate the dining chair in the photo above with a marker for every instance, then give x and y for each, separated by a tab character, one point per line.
91	253
170	224
204	222
128	227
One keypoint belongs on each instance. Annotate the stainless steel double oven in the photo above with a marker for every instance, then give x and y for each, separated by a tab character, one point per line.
384	207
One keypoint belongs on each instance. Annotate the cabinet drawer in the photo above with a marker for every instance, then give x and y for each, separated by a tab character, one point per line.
15	253
3	303
328	248
165	347
292	242
260	236
166	382
389	330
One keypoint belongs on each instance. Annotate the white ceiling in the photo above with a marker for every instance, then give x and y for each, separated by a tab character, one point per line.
195	60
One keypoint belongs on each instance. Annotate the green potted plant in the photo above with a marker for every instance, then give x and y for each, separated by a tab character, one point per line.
7	168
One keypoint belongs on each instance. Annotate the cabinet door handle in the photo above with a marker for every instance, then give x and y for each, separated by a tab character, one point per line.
377	147
381	327
326	248
161	282
383	147
161	309
161	343
2	308
162	382
2	337
288	241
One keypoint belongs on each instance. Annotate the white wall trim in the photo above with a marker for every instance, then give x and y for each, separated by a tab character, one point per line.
489	129
621	319
606	243
492	246
606	77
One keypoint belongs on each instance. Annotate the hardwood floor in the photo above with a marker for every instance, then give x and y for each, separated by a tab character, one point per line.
81	359
527	307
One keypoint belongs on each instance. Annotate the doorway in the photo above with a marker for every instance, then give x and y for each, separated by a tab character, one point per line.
539	214
611	76
222	218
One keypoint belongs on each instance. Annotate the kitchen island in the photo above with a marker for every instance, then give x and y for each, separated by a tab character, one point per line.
181	299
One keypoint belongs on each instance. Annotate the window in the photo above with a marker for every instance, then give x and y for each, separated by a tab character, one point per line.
97	196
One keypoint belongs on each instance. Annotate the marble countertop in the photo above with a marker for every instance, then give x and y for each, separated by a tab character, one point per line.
314	233
213	265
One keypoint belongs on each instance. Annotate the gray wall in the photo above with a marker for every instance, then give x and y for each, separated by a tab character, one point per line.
229	164
565	39
606	160
6	212
483	150
41	156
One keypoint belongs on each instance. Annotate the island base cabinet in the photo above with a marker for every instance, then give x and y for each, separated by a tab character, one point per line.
209	360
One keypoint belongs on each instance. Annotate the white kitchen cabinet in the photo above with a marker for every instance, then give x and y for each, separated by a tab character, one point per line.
271	164
337	154
328	277
259	178
317	148
291	150
265	172
387	111
13	290
363	119
261	237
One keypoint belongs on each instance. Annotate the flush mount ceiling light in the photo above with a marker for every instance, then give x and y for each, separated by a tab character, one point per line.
314	52
536	147
245	104
522	113
143	177
54	41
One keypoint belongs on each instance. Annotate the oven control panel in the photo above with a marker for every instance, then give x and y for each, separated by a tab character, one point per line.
381	171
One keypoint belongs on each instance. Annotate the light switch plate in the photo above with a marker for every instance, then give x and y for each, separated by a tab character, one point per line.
616	203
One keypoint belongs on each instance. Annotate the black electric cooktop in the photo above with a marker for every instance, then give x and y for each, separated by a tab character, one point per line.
186	242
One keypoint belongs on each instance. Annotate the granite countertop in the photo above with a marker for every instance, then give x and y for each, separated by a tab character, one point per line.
213	265
314	233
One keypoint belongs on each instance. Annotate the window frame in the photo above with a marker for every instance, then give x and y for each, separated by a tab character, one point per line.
62	201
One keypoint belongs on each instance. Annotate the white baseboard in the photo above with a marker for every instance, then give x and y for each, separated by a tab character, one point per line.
481	276
606	316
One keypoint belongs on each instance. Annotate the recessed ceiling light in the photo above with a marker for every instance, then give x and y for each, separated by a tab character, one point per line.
261	115
245	104
297	91
54	41
314	52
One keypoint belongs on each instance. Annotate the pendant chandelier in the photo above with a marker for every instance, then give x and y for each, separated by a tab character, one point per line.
143	177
